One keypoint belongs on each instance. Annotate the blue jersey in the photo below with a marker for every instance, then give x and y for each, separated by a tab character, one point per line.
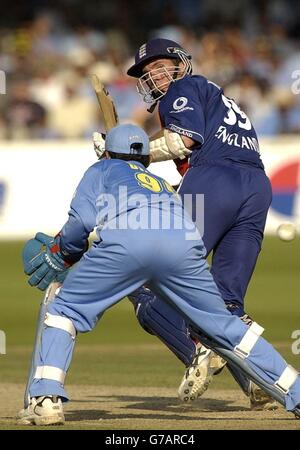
117	195
197	108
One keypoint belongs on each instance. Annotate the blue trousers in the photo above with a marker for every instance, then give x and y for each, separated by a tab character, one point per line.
236	203
178	275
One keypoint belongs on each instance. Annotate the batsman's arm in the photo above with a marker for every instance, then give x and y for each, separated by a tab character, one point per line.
166	145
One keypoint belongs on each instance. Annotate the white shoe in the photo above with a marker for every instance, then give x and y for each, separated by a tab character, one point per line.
260	400
199	374
46	410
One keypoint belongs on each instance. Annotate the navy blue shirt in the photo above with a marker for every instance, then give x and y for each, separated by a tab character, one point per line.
197	108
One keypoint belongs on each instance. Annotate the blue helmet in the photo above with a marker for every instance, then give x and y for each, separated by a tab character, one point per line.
155	49
127	139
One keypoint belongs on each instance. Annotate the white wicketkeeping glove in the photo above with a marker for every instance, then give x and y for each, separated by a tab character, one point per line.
99	144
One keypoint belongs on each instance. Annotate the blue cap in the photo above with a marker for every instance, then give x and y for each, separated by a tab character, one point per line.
155	49
127	139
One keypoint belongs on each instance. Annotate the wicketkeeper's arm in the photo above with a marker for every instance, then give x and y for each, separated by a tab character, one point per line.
82	215
74	238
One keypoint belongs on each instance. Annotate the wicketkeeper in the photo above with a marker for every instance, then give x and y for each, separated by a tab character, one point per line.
138	218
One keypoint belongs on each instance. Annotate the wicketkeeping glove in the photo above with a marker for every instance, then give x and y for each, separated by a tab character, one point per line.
43	260
99	144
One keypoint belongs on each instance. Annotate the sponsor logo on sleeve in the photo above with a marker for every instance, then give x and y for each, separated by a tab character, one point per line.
180	105
189	133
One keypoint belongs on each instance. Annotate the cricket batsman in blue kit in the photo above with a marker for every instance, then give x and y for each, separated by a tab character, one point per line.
138	217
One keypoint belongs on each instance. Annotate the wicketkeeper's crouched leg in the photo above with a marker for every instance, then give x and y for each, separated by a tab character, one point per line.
89	290
56	350
199	301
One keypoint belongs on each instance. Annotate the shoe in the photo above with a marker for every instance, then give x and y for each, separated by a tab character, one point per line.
260	400
46	410
199	374
296	411
247	319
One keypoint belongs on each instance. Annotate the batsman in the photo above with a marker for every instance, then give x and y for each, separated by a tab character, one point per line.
215	147
120	197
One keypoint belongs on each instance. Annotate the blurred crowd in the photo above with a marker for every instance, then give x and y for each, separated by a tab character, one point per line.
48	63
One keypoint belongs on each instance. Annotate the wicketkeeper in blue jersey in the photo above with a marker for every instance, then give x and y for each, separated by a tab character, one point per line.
215	147
138	217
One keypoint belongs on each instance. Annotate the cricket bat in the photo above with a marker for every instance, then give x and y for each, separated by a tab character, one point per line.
107	107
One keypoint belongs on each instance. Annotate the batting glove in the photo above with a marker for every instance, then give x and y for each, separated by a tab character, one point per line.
99	144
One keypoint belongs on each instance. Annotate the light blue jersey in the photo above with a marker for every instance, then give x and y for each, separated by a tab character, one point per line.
118	195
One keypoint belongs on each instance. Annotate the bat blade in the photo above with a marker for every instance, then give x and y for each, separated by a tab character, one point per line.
109	113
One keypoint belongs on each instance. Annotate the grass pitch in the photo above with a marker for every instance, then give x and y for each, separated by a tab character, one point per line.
123	378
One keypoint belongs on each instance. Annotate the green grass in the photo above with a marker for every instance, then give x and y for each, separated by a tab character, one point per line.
119	344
